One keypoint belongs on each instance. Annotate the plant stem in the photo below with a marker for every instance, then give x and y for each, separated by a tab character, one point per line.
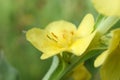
53	66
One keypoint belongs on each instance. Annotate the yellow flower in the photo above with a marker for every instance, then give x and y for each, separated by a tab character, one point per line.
108	7
62	36
115	42
110	58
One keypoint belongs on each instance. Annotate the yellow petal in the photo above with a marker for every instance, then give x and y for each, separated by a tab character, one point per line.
110	70
113	45
107	7
49	54
115	39
86	26
62	31
101	58
59	28
80	45
42	42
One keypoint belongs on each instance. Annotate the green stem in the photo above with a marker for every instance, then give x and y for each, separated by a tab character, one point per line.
78	61
53	66
103	24
56	75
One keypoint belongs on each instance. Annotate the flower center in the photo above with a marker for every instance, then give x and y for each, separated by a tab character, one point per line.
63	39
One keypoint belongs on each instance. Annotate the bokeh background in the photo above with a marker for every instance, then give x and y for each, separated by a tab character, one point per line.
18	58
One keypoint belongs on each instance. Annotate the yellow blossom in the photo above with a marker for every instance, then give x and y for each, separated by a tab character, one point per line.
110	58
115	42
108	7
62	36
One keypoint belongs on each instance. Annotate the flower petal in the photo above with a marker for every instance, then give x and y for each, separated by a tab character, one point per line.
110	70
115	40
60	27
42	42
114	44
101	58
86	26
47	55
80	45
108	7
62	31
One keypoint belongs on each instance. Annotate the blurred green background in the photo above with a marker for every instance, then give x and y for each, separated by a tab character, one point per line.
17	16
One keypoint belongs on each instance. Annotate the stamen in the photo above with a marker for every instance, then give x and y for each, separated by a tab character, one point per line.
51	38
54	35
